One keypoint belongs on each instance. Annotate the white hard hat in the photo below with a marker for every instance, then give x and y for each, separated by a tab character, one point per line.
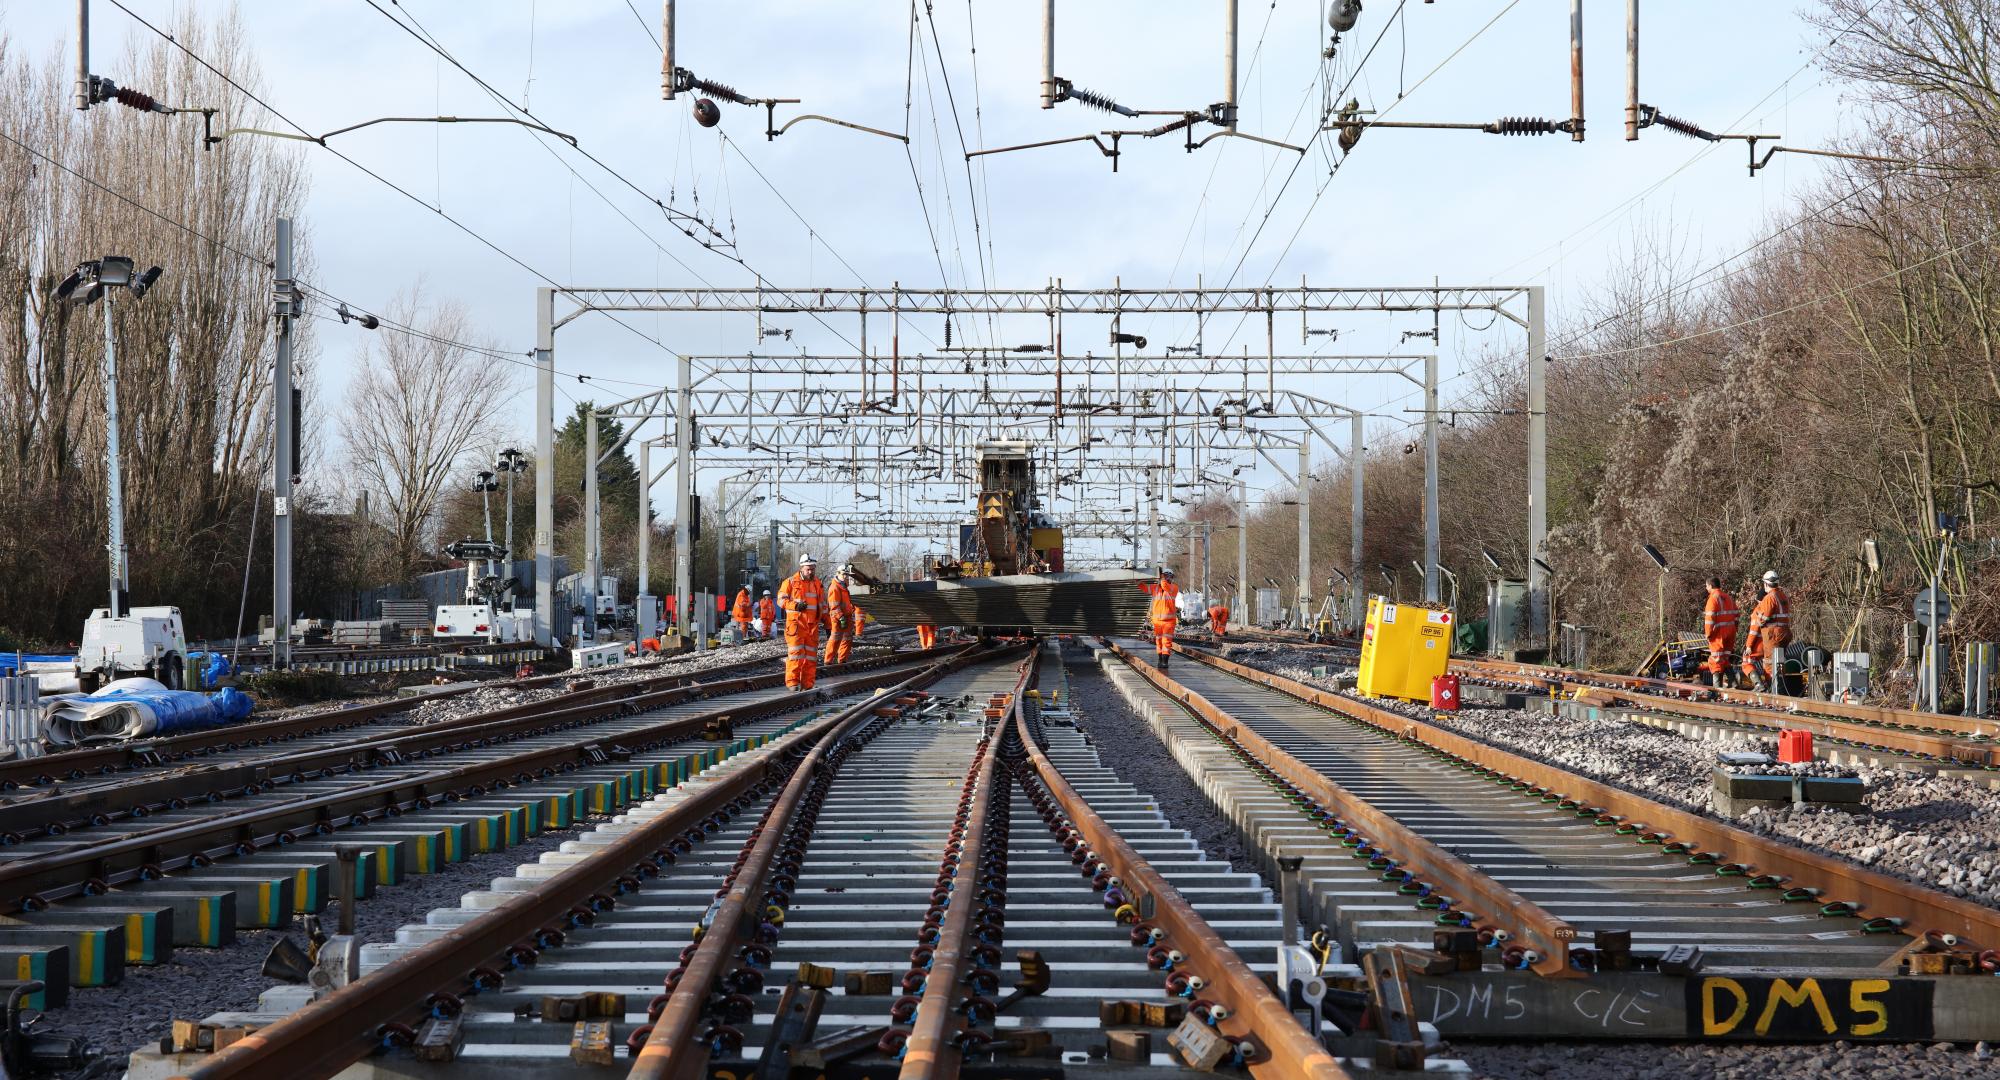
1770	577
807	560
1166	571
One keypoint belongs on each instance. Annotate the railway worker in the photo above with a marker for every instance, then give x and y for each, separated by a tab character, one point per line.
1718	624
1218	618
842	617
767	610
926	636
741	613
803	598
1770	631
1165	614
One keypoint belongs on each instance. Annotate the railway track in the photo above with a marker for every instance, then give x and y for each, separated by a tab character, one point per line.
966	875
276	828
1607	914
1853	729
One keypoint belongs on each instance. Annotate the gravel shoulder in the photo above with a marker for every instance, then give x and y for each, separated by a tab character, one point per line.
1932	830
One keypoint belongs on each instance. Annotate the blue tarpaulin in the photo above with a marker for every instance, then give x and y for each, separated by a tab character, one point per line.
138	709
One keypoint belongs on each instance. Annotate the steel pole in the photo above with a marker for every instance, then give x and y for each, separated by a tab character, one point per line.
683	497
83	61
1305	530
283	450
1631	70
508	538
667	50
545	467
1357	461
1538	458
1576	69
1431	525
721	538
1048	54
114	496
1229	63
645	519
1243	551
591	560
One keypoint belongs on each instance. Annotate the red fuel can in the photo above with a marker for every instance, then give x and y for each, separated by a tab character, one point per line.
1444	693
1795	746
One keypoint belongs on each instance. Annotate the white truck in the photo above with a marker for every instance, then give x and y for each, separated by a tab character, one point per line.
148	641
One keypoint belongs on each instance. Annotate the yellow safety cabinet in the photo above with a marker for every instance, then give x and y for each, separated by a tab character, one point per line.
1403	647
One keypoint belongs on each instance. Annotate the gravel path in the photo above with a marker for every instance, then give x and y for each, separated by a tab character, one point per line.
1932	830
141	1008
1144	762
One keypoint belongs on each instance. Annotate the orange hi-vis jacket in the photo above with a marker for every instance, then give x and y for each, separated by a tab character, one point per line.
840	609
1718	618
1772	618
1218	617
1166	606
804	601
741	610
767	609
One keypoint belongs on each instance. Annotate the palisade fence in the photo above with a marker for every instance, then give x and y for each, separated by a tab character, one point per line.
20	716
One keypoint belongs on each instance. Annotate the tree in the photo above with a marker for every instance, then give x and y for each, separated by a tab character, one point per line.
423	411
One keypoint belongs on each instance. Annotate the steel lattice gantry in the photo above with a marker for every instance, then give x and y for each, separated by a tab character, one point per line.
938	403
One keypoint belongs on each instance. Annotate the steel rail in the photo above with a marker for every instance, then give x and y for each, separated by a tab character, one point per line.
1740	852
95	804
329	1034
94	863
932	1052
1934	734
1549	935
153	753
1279	1048
673	1049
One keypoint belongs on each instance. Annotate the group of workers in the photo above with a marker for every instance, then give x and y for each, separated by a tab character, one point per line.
1164	615
756	619
1770	630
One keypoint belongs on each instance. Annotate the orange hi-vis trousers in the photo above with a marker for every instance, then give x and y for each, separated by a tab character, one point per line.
839	640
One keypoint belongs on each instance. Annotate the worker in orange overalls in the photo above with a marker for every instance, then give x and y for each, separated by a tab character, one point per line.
842	617
1165	614
767	610
741	613
1718	625
926	636
1770	630
1218	618
803	597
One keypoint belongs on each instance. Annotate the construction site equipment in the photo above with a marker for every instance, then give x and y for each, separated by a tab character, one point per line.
1403	648
138	709
149	642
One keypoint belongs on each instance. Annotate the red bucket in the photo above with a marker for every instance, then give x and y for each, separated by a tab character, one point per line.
1444	693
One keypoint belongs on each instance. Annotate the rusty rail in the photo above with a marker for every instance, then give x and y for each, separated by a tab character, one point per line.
933	1051
673	1049
1739	852
1279	1049
1533	926
344	1027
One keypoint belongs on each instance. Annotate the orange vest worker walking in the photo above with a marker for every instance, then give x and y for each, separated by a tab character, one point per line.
741	613
1718	624
842	618
767	610
1165	615
803	596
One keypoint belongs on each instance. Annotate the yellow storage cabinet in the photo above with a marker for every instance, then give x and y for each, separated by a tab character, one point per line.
1403	647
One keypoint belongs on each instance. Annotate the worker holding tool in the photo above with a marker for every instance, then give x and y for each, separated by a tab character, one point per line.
1218	618
1165	614
767	610
803	597
842	617
1770	631
1718	624
741	613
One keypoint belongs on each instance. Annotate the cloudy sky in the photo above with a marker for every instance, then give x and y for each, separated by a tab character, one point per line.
824	206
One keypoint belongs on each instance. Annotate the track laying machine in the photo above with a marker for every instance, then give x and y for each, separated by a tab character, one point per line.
1008	576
